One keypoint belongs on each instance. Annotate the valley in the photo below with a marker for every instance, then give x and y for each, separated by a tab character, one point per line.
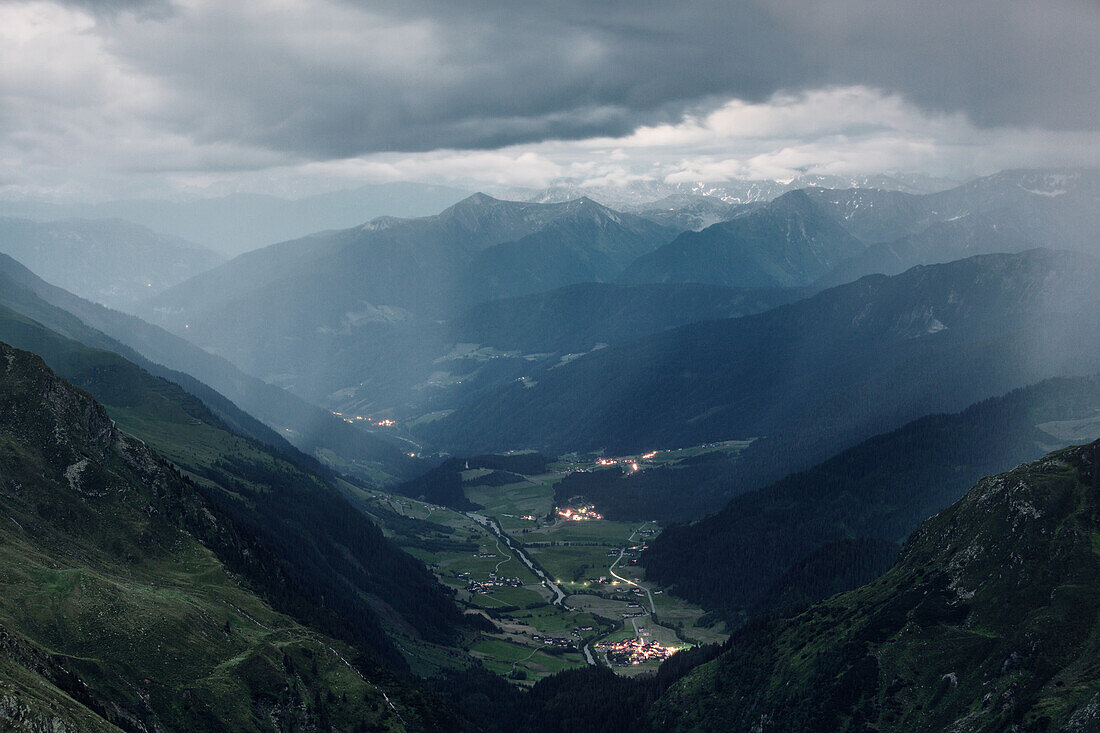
562	593
496	367
582	469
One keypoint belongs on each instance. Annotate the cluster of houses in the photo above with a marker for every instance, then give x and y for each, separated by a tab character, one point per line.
494	581
634	651
552	640
582	513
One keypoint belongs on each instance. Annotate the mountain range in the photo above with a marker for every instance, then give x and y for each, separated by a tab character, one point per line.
370	321
211	525
335	311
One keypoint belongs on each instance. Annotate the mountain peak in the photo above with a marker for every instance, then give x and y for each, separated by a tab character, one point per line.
477	199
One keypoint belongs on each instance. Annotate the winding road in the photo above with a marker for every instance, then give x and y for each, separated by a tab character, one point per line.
652	608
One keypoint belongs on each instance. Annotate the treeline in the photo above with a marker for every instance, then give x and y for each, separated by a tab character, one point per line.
881	488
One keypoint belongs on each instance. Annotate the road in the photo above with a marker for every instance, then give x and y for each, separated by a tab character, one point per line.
652	608
493	526
507	559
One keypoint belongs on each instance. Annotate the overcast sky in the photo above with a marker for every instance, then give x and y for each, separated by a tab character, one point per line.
117	98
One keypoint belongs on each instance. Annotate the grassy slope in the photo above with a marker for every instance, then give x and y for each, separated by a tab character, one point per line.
349	563
113	613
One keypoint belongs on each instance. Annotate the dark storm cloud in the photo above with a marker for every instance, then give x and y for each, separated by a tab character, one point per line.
359	77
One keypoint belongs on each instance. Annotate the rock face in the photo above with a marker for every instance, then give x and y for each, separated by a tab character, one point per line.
988	621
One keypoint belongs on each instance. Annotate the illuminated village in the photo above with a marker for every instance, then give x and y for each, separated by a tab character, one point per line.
583	513
630	652
384	423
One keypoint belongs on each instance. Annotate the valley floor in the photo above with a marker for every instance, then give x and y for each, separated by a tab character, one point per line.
563	593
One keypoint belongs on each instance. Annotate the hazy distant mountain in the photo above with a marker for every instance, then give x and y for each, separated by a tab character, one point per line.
593	244
444	366
641	193
1007	212
961	237
578	317
842	365
346	310
788	242
309	428
106	260
687	211
241	222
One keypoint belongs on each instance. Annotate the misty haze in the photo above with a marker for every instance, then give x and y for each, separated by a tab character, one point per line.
504	367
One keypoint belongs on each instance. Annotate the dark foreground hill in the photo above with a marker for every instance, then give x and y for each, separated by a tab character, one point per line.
989	621
128	598
337	571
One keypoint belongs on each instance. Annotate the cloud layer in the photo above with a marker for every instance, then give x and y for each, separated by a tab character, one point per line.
201	89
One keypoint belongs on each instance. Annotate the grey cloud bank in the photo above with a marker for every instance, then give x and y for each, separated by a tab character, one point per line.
201	91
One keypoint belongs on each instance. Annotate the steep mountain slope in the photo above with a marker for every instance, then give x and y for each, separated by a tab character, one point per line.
21	300
314	431
127	600
106	260
575	318
323	547
840	366
987	622
882	488
787	243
